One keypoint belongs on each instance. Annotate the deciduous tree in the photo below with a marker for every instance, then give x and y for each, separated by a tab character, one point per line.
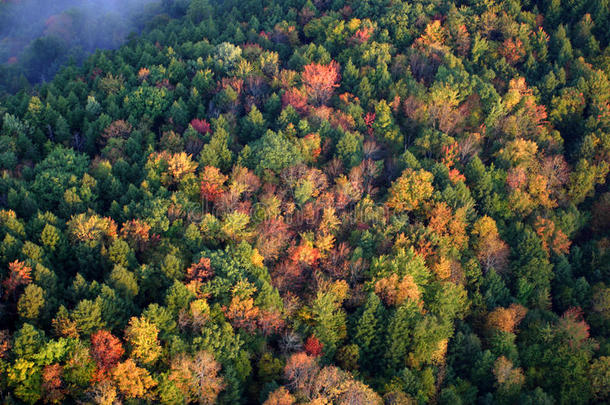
410	190
197	377
320	81
133	382
142	336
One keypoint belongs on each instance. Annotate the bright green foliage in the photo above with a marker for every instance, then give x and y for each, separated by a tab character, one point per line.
146	102
274	151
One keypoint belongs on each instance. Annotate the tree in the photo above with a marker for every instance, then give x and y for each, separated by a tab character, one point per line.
600	378
170	168
601	213
201	271
275	152
133	382
394	292
313	347
410	190
201	126
147	102
31	303
384	126
508	377
368	331
212	182
352	391
506	319
52	385
142	337
301	371
530	264
92	230
217	152
87	316
492	251
280	396
19	275
197	377
552	238
117	129
227	55
295	98
328	317
242	313
320	81
199	10
573	327
138	234
254	125
397	342
106	350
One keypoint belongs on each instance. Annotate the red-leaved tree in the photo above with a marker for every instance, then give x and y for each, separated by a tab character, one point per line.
201	126
313	346
212	183
296	99
19	274
320	81
106	350
201	271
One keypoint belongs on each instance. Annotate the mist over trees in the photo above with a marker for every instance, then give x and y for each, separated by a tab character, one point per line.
37	37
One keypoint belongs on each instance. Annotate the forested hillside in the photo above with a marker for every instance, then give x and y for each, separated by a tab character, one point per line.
325	202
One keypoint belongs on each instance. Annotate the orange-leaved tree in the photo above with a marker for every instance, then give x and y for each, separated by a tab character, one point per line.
106	350
19	275
320	81
197	377
410	189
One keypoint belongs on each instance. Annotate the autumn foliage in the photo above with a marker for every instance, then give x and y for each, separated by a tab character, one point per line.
138	234
19	275
201	126
313	346
394	291
410	190
52	384
307	202
212	183
106	350
506	319
492	251
553	239
197	377
132	381
200	271
320	81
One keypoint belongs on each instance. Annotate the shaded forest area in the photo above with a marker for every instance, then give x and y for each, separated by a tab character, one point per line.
314	201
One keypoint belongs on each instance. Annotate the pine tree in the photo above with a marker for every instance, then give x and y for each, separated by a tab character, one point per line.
399	337
368	332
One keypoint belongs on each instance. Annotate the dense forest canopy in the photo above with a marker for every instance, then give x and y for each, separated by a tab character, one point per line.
314	201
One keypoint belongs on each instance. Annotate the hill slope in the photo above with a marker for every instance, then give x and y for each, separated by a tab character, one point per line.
330	202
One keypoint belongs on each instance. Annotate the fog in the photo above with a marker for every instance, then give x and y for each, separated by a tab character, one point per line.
38	36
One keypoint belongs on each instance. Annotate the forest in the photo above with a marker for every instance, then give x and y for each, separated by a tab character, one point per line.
312	202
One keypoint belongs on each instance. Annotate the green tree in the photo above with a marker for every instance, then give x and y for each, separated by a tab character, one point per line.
217	153
31	303
368	332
